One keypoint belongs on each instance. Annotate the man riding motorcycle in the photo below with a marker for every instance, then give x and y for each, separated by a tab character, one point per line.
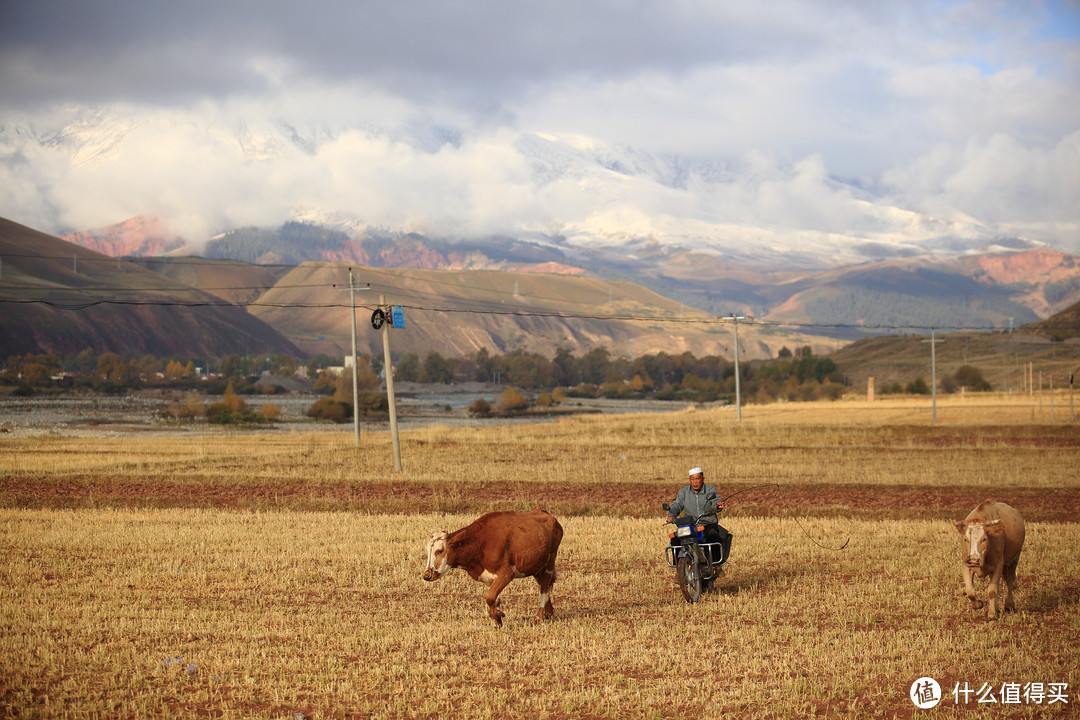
701	501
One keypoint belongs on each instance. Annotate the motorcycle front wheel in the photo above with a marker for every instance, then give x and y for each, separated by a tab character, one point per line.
688	578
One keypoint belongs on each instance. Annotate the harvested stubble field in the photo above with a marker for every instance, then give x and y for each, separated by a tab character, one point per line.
278	575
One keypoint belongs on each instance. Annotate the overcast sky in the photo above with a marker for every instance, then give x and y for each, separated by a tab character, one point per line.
951	108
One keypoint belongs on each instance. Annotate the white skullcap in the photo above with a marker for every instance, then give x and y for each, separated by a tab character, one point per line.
695	471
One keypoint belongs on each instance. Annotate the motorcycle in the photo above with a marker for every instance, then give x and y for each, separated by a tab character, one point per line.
697	563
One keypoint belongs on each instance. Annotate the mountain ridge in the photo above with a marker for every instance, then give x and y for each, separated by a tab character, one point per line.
304	311
59	298
989	289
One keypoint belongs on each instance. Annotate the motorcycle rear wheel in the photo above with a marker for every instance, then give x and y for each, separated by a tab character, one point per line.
689	581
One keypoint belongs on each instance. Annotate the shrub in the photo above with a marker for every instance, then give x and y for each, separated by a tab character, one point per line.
917	386
270	411
330	409
612	390
585	390
970	377
480	408
190	410
233	402
35	373
891	388
511	401
194	406
107	387
220	413
947	385
831	391
372	403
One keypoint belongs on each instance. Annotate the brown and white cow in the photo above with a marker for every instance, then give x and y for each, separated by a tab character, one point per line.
495	549
993	536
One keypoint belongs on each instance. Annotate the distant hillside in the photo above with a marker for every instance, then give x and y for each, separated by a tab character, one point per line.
236	282
136	237
895	296
998	288
136	305
458	313
1002	290
60	298
1003	358
1065	325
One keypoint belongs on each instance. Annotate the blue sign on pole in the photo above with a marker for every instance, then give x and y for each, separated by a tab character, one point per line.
397	316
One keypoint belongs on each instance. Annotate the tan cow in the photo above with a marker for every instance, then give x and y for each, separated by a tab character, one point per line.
993	536
495	549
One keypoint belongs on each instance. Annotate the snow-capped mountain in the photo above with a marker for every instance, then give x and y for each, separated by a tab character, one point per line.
202	178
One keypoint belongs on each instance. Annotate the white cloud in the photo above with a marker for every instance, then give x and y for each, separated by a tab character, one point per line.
1031	191
426	115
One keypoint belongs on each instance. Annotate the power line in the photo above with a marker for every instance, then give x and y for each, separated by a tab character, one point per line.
164	288
157	260
476	306
395	274
672	319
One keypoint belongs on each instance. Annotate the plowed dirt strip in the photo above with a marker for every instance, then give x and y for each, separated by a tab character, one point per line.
628	500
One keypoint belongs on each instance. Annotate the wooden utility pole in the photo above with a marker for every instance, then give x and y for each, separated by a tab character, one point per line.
355	387
388	369
933	374
1051	397
738	398
355	381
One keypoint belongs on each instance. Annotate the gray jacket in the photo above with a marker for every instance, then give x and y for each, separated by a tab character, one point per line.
694	503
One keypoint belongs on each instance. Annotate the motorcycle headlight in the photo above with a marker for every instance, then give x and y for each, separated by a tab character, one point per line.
684	531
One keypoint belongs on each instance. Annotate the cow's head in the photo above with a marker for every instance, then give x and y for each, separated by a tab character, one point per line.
977	537
437	560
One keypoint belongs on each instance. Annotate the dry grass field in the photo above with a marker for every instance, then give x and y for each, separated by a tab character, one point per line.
277	574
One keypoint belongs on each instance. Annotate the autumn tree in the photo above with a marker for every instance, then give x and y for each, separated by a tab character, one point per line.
511	401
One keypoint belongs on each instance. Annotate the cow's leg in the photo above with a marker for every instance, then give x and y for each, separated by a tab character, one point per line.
492	595
992	601
969	588
545	579
1010	585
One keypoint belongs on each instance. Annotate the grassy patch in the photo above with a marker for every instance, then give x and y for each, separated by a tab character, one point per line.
277	574
217	613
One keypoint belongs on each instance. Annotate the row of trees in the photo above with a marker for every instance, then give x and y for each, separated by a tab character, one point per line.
967	377
798	375
112	372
